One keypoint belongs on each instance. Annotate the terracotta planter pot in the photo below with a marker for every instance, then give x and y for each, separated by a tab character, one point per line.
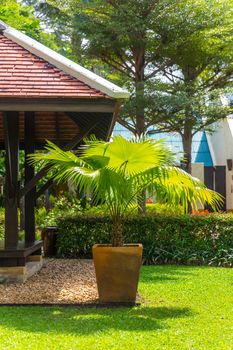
117	272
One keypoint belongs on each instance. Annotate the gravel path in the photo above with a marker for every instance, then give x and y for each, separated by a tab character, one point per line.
59	282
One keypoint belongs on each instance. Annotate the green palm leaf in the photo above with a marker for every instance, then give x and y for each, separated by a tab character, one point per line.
116	173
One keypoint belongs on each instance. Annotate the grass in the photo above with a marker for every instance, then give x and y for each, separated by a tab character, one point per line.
183	308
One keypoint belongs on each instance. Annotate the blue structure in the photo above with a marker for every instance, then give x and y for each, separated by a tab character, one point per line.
203	154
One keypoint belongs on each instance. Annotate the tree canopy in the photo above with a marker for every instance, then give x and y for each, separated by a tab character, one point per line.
142	39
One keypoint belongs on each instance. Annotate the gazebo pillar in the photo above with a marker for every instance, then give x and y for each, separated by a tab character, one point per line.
11	129
29	200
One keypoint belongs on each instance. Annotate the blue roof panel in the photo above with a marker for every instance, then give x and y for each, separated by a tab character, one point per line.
203	155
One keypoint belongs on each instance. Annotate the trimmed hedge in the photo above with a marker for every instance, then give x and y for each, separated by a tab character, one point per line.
166	239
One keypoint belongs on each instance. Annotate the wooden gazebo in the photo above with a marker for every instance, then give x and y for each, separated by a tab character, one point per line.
43	96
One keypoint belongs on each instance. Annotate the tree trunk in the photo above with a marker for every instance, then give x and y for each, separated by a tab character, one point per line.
187	146
190	74
117	232
140	112
140	128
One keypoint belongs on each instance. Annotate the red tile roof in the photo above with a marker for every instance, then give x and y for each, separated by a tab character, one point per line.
23	74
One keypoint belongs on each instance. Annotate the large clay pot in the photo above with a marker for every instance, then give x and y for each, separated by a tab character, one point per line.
117	272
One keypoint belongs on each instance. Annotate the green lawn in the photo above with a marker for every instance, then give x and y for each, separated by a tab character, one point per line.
183	308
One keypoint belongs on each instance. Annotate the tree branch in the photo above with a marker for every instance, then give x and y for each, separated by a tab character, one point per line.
126	125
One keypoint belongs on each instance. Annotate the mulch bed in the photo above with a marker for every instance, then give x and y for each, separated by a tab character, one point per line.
60	282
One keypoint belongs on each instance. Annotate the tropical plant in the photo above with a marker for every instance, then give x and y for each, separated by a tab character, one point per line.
117	172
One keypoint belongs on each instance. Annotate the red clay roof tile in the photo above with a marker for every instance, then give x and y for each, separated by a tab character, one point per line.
24	74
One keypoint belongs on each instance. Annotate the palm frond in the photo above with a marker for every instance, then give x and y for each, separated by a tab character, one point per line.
174	186
116	172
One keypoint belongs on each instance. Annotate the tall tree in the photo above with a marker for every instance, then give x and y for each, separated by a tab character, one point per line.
187	107
190	94
139	39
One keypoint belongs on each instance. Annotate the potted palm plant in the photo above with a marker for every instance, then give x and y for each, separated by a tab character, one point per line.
116	173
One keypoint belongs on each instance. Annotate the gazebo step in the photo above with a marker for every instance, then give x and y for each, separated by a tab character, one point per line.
19	274
21	251
19	256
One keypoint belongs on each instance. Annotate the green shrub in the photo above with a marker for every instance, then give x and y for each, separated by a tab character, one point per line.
62	206
151	209
166	239
163	209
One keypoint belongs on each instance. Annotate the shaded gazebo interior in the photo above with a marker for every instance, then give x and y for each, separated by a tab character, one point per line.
29	131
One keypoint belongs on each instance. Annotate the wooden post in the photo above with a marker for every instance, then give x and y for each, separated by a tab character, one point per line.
11	128
220	183
29	147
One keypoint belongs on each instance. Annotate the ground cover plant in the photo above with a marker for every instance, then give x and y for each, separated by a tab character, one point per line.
183	308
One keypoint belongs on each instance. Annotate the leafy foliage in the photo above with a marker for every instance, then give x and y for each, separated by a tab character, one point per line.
182	239
23	18
62	206
151	209
20	17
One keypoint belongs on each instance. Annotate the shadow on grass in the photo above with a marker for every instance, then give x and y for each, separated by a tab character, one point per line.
152	274
88	321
